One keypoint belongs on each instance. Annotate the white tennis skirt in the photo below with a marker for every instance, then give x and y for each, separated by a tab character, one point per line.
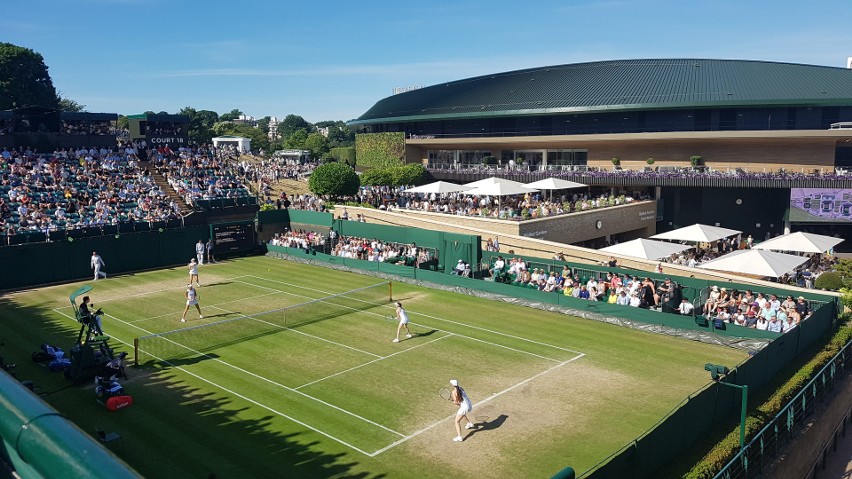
192	302
464	408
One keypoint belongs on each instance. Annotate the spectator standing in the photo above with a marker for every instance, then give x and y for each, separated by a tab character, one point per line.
199	251
97	263
210	245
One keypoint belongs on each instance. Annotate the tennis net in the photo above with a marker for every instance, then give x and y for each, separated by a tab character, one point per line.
187	344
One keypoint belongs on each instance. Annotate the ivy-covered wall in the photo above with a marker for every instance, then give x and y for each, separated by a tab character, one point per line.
380	149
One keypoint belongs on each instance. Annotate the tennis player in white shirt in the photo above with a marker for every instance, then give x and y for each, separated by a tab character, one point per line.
402	316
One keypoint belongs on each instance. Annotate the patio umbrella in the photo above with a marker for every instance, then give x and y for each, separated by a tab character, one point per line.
756	262
438	187
493	181
500	190
644	248
554	184
697	233
802	242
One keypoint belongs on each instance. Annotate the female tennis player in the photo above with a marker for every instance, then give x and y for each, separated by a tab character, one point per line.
193	272
402	316
460	399
191	300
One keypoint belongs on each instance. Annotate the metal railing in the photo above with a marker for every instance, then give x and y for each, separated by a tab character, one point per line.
765	445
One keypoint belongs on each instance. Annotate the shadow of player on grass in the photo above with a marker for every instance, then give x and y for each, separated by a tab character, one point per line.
487	425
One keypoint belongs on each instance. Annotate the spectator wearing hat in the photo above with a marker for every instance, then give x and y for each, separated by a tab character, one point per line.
710	304
802	306
459	269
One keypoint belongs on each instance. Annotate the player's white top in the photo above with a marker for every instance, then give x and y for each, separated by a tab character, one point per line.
191	296
193	268
403	316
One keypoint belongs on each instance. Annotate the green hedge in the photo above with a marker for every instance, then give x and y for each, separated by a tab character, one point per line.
829	280
411	174
380	149
346	154
726	449
334	179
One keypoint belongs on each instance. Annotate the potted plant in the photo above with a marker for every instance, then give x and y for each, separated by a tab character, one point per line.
650	161
520	160
695	160
616	161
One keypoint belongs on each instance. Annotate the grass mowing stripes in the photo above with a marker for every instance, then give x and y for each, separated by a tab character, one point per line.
337	398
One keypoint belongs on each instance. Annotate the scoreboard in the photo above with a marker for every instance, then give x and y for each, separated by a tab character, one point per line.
235	237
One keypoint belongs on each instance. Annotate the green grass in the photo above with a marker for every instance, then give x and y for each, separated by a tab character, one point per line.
331	396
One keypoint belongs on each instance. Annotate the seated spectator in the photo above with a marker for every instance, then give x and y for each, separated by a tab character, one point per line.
459	268
498	267
685	307
774	325
622	299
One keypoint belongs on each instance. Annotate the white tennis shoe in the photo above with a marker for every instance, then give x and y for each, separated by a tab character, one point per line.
200	317
395	340
407	335
182	320
458	439
469	426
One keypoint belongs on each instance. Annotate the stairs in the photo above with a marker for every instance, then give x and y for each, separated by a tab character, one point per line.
164	185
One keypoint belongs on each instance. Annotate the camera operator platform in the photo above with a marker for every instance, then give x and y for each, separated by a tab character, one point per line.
91	352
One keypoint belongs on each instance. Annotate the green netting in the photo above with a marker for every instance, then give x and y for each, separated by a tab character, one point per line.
192	343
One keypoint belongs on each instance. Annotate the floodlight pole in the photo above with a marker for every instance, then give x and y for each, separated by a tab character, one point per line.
744	389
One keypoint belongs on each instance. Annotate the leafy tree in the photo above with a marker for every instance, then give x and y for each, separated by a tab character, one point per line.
122	123
318	145
829	280
377	177
263	124
231	116
200	124
291	124
24	79
296	140
334	179
67	104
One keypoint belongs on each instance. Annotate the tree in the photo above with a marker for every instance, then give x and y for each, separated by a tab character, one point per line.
291	124
200	124
67	104
24	80
318	145
334	179
122	123
296	140
233	115
263	124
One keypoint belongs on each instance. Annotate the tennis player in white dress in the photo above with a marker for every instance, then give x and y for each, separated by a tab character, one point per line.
402	316
193	272
460	399
191	300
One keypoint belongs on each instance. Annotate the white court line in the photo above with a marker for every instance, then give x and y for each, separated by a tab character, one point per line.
285	328
436	423
212	305
432	317
146	293
262	378
373	361
445	331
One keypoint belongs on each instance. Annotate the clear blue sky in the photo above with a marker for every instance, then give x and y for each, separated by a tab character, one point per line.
332	60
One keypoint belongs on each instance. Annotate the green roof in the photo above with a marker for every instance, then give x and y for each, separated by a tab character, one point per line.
620	85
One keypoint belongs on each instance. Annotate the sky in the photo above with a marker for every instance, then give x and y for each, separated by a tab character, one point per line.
333	60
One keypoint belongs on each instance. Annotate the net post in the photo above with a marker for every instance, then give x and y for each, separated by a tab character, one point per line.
136	352
390	291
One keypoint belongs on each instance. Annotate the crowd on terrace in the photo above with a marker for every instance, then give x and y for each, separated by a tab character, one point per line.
577	172
357	248
77	188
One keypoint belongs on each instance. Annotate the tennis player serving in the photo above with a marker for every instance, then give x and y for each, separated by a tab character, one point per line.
460	399
402	316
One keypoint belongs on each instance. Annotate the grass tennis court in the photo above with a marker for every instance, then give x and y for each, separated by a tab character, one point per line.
273	383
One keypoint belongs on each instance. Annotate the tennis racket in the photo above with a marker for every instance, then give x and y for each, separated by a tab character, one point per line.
445	393
390	318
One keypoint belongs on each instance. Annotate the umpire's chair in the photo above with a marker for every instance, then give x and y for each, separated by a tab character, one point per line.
91	352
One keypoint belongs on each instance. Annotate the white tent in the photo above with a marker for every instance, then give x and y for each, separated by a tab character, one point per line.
242	144
756	262
493	181
438	187
648	249
500	189
802	242
697	233
554	184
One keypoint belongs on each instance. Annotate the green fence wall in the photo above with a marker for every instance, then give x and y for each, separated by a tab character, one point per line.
40	263
451	247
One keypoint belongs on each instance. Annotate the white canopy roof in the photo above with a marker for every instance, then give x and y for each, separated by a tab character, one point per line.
802	242
554	184
757	262
644	248
492	181
500	189
438	187
697	233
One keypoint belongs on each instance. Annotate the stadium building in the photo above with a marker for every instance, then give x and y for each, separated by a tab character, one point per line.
761	147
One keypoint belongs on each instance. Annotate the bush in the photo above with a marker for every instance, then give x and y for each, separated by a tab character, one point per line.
345	154
411	174
616	161
695	160
334	179
267	207
650	161
829	280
